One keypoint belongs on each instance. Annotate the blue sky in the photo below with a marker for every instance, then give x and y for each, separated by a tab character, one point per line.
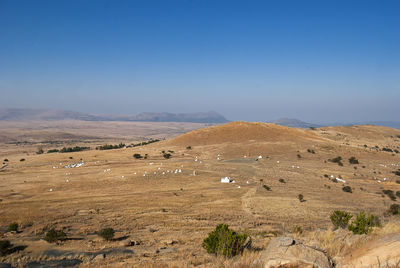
319	61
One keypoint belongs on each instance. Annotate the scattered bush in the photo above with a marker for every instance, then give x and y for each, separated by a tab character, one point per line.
394	209
387	150
301	198
5	246
326	175
110	147
398	194
5	160
224	241
106	234
363	224
337	160
22	159
137	156
144	143
73	149
167	155
55	235
13	227
353	160
282	181
297	229
267	187
340	219
347	189
397	172
311	151
53	151
40	151
298	156
390	194
189	147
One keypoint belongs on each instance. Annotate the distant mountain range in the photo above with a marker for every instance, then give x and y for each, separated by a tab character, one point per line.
48	115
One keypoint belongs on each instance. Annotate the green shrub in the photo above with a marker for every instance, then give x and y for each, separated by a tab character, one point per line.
13	227
110	146
53	151
282	181
347	189
137	156
311	151
5	246
266	187
353	160
337	160
224	241
363	224
22	159
387	150
73	149
167	155
301	198
5	160
55	235
298	156
394	209
340	219
390	194
106	233
398	194
189	147
397	172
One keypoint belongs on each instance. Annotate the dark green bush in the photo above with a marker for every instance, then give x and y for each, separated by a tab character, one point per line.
353	160
224	241
298	156
390	194
394	209
106	233
301	198
387	150
6	160
5	246
397	172
282	181
363	224
337	160
311	151
137	156
167	155
266	187
53	151
347	189
22	159
73	149
110	146
55	235
13	227
189	147
340	219
398	194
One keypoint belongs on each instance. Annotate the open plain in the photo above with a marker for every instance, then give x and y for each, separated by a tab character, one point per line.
167	206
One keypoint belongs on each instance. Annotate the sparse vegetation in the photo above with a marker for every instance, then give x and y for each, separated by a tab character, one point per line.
73	149
301	198
390	194
144	143
5	246
282	181
298	156
363	224
225	242
347	189
189	147
311	151
167	155
397	172
40	151
337	160
137	156
387	150
267	187
353	160
394	209
106	233
53	151
13	227
54	235
340	219
110	147
5	160
22	159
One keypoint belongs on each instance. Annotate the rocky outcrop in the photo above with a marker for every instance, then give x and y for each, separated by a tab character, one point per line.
287	252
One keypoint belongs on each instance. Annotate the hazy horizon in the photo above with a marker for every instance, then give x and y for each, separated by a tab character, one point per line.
318	61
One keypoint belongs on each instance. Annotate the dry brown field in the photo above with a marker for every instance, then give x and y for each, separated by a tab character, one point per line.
170	205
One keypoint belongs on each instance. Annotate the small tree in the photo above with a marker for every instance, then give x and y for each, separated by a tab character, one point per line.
363	224
340	219
394	209
137	156
224	241
106	233
353	160
55	235
5	246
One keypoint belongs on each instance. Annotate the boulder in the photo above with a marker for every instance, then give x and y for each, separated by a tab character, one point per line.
287	252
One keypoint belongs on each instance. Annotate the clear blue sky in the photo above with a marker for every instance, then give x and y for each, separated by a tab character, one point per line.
319	61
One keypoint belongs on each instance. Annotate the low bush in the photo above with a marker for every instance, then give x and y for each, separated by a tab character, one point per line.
387	150
340	219
40	151
282	181
347	189
55	235
301	198
5	246
106	233
189	147
73	149
363	224
5	160
110	146
137	156
267	187
397	172
22	159
353	160
394	209
13	227
398	194
390	194
337	160
311	151
298	156
167	155
53	151
224	241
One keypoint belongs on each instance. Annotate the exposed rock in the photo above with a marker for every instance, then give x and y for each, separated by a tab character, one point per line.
286	252
127	243
99	257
